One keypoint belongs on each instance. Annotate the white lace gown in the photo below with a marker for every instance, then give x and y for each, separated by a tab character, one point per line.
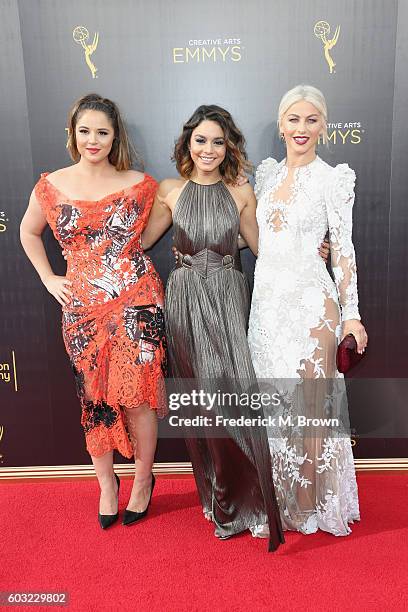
294	330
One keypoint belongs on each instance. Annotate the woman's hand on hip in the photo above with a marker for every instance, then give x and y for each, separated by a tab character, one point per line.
58	286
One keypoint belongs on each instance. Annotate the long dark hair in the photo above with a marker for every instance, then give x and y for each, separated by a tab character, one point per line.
122	154
236	159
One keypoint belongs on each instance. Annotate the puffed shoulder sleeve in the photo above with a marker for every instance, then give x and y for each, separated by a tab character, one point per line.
263	171
339	202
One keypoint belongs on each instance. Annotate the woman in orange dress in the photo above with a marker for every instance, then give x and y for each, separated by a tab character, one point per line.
111	296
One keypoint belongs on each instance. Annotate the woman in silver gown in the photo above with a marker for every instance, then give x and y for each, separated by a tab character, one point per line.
207	306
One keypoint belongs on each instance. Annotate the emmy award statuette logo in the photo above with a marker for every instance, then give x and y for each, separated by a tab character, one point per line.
322	30
80	35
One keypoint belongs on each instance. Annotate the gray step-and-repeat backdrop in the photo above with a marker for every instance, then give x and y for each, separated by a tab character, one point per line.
159	60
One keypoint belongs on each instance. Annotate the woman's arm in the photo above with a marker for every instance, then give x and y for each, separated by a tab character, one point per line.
248	224
339	202
31	229
160	217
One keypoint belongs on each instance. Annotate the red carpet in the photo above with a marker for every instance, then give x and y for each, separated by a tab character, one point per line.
51	541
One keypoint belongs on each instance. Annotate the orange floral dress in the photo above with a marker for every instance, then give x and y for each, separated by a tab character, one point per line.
113	328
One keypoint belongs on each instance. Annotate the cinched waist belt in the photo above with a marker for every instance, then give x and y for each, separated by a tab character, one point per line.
207	262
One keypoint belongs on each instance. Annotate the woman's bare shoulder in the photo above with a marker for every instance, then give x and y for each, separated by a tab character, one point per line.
246	189
134	176
59	176
242	193
166	186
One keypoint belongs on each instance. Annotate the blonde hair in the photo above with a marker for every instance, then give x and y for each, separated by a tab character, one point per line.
122	154
310	94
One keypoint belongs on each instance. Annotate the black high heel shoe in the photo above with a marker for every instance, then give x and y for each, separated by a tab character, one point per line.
106	520
131	517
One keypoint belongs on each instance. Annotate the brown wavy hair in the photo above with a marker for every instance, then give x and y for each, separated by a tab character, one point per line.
122	154
236	159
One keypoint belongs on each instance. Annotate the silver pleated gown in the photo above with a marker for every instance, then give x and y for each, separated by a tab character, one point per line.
207	307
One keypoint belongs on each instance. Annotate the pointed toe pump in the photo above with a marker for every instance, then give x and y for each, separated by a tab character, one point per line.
131	517
106	520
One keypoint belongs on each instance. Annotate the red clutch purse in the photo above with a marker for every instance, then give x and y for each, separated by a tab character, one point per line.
347	356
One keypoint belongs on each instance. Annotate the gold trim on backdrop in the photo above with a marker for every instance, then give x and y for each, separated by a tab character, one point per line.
15	371
169	469
86	471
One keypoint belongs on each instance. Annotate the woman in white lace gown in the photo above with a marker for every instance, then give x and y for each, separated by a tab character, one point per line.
299	315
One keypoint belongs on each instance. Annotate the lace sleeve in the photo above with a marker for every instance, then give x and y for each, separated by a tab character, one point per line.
262	172
339	201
